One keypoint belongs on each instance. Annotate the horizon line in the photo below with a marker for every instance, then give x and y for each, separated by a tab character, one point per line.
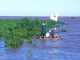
48	16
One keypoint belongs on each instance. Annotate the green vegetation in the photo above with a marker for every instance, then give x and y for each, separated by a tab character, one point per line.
63	30
0	39
60	22
29	41
29	53
57	25
16	31
72	17
35	44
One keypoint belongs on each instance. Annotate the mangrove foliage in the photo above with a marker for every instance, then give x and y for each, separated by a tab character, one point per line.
16	31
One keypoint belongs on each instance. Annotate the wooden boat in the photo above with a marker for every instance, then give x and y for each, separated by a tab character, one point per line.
50	38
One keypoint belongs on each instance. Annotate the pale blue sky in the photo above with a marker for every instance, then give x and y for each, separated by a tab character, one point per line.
39	7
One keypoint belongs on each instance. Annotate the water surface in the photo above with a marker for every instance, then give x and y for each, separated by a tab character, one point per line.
67	48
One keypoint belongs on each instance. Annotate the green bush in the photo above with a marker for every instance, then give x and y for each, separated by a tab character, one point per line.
29	53
63	30
60	22
15	31
29	41
72	17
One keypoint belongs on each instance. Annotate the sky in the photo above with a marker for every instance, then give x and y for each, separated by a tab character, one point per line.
39	7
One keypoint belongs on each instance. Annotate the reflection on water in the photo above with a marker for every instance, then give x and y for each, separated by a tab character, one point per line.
67	48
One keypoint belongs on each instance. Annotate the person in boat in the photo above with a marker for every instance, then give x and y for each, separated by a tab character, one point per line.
53	35
48	34
43	28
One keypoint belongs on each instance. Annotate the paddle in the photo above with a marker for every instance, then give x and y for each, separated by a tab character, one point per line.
39	30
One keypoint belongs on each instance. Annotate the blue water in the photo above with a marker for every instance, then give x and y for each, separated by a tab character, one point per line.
40	17
67	48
